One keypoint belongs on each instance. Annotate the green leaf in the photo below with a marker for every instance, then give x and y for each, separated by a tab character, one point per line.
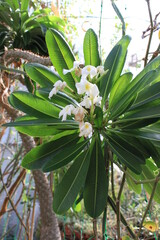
24	5
60	98
134	143
119	89
38	157
32	105
114	207
134	124
43	127
41	74
147	133
14	4
148	140
149	94
67	191
153	65
36	130
96	186
98	120
126	152
129	97
148	172
53	122
114	63
61	56
66	155
77	206
120	17
90	49
146	111
53	22
135	187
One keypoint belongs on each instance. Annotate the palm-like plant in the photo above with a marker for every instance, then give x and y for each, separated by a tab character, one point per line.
19	28
106	117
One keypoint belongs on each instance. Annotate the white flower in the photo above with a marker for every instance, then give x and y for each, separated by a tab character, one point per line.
79	113
75	65
89	70
94	91
91	93
86	102
59	85
94	95
85	129
100	70
52	92
67	110
83	86
97	100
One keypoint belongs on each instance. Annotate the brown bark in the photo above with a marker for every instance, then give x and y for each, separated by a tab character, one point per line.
12	54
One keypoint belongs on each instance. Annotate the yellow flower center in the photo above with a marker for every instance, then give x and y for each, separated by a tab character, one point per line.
88	69
86	126
87	86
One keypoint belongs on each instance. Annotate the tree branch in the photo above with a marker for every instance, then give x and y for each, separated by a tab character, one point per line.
26	55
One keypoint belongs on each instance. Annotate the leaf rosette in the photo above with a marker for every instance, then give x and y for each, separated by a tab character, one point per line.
88	110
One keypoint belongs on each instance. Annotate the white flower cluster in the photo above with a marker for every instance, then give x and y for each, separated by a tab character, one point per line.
89	90
59	85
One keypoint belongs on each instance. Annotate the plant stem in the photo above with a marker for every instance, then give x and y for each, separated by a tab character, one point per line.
104	222
118	206
155	53
33	215
107	159
12	204
112	182
113	205
134	180
100	24
149	204
95	229
151	33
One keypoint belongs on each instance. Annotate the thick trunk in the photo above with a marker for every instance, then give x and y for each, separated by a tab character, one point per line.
49	223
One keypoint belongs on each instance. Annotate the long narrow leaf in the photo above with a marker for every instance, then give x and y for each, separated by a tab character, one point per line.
32	105
41	74
90	49
67	155
53	122
119	89
149	94
96	186
44	153
148	173
67	191
61	56
60	98
114	63
125	152
128	99
24	5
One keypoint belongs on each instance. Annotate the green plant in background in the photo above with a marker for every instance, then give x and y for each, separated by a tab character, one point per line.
21	28
95	115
